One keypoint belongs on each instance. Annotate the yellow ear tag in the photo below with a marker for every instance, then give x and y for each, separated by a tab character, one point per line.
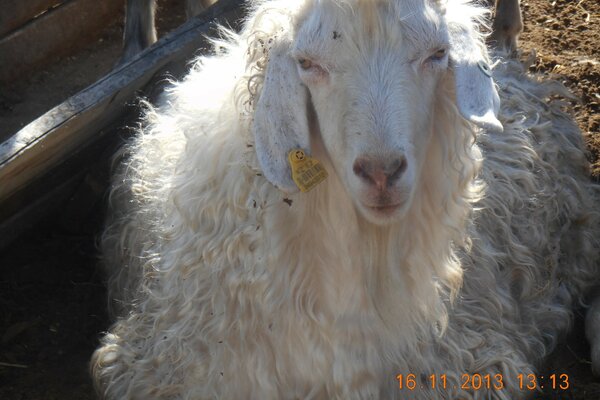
307	172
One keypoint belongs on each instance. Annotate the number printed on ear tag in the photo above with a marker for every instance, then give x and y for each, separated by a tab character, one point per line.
307	172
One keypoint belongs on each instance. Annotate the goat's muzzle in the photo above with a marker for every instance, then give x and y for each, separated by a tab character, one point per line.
380	177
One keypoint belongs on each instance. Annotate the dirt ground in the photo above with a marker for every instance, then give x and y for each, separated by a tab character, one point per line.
565	35
52	300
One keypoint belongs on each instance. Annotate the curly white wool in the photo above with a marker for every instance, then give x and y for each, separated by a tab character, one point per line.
232	289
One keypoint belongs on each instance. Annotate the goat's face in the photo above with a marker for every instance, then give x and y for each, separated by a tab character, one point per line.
372	88
373	84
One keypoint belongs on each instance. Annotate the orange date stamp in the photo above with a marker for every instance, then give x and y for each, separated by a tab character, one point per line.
482	382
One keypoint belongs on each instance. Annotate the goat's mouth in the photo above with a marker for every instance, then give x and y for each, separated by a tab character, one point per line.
382	213
383	209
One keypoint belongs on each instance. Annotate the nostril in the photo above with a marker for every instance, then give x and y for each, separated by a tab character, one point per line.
361	169
397	169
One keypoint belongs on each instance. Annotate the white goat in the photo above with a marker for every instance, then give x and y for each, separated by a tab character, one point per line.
438	248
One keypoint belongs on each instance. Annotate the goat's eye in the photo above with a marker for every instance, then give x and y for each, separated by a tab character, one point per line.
311	72
438	55
305	63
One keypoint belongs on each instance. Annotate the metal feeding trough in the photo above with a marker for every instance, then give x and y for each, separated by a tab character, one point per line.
41	164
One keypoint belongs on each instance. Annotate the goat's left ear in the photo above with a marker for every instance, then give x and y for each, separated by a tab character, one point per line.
476	95
280	118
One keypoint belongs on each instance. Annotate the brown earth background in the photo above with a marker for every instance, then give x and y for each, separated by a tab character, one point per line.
52	300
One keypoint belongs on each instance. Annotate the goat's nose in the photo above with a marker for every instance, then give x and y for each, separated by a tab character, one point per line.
378	173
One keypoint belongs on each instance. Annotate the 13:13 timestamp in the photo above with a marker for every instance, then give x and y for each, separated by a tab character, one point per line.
552	381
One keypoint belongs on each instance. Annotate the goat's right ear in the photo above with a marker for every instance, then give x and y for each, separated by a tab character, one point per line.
476	95
280	118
